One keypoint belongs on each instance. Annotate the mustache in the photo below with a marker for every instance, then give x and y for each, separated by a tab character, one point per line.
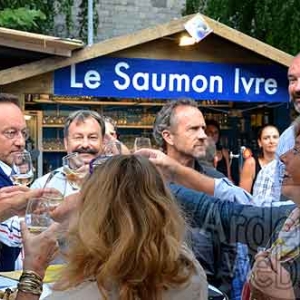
87	151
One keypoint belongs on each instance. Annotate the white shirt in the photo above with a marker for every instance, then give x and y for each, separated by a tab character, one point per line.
5	168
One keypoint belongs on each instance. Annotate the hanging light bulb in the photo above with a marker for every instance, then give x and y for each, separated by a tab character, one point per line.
186	41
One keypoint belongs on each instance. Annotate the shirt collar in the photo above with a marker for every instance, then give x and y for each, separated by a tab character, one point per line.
5	168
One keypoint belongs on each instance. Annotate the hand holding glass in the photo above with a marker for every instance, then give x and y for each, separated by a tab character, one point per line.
22	170
142	142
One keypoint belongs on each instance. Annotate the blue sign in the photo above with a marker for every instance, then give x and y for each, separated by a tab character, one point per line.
168	79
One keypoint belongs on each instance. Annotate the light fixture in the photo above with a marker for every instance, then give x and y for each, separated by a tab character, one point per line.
27	117
186	41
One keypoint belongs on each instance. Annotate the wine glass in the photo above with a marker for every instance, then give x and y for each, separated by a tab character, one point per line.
37	216
55	188
22	169
74	169
142	142
111	148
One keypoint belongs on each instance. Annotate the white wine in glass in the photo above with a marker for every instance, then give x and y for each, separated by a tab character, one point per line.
55	188
22	169
22	179
37	216
74	177
73	167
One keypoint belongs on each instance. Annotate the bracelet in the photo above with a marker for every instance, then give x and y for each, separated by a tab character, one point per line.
28	287
30	282
28	273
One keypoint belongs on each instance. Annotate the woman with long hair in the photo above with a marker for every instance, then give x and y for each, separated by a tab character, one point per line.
127	240
267	139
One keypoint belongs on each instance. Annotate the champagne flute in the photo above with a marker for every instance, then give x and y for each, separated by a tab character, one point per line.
37	216
74	168
22	169
142	142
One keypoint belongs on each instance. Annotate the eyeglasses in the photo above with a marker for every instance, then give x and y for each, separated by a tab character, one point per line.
12	134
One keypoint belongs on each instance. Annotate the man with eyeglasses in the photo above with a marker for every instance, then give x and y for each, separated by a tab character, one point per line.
84	131
13	199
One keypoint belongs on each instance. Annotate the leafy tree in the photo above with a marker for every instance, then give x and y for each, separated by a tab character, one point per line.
20	18
272	21
38	16
27	15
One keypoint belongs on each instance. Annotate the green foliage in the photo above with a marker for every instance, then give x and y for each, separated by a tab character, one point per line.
38	16
21	18
27	15
272	21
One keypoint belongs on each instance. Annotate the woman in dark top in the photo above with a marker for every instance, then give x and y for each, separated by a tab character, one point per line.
268	137
213	130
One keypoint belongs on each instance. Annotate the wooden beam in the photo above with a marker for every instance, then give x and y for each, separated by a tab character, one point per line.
44	48
30	37
42	84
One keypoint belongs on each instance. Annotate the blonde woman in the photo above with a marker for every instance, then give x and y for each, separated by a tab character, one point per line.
126	241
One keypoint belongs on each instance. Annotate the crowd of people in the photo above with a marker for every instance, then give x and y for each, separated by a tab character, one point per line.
160	223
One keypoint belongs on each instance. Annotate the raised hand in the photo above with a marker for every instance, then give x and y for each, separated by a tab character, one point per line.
13	200
39	249
270	278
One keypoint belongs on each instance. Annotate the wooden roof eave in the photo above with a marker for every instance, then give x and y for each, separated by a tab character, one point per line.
142	36
38	42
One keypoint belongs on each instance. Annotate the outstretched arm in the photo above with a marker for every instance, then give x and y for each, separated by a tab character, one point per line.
39	251
175	172
233	222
